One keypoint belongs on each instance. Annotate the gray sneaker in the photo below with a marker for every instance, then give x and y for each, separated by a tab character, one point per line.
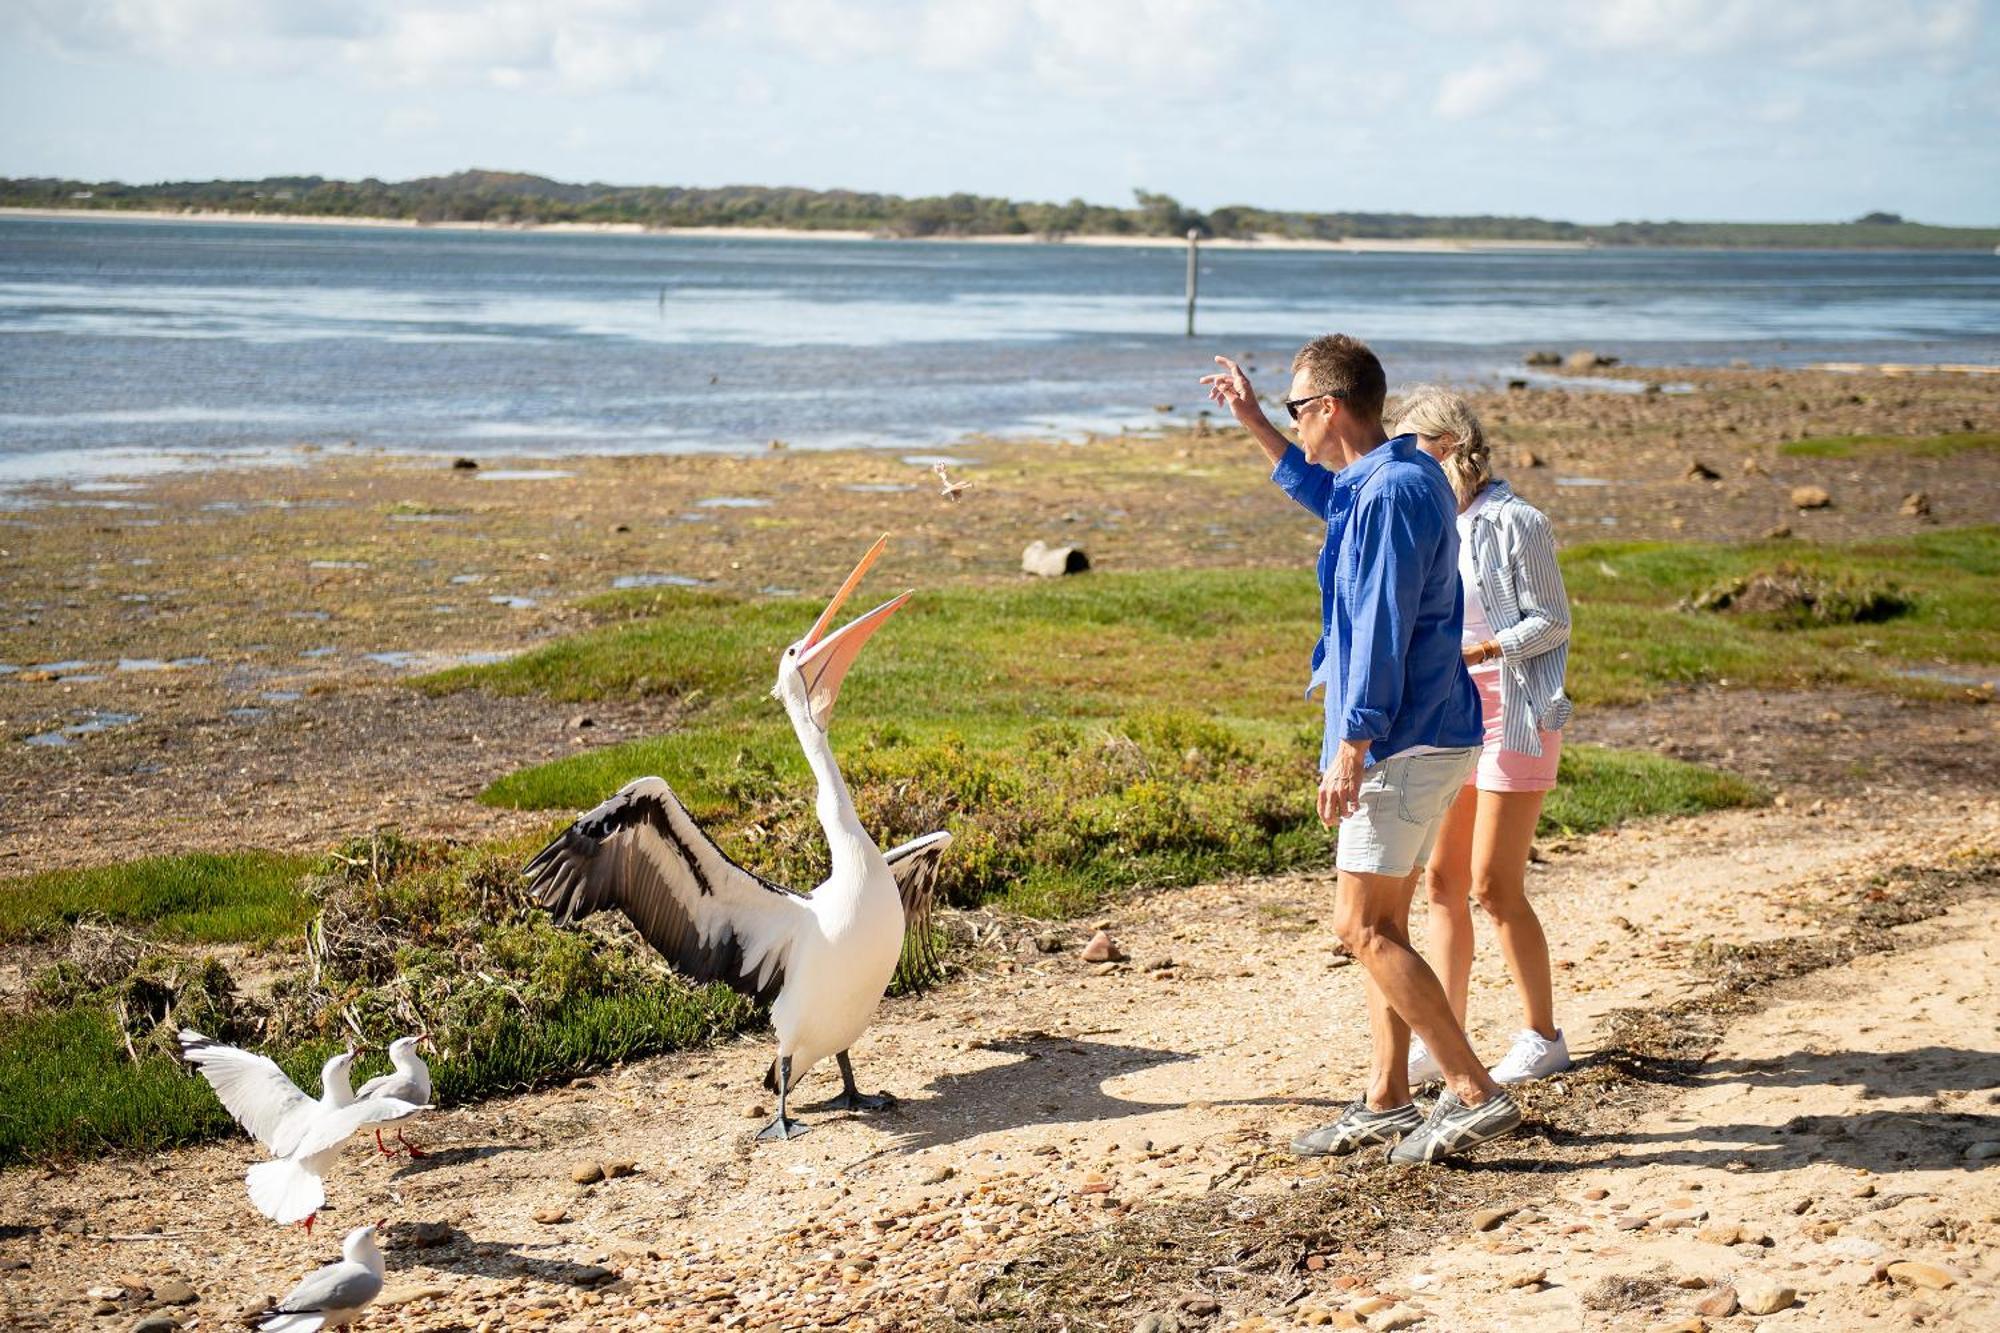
1453	1127
1359	1126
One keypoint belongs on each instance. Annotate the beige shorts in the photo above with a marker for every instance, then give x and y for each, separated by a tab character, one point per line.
1403	801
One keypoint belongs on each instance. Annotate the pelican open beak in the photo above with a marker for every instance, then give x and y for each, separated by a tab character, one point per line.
824	657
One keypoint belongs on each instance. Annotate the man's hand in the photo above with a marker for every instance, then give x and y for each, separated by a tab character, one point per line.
1340	785
1230	388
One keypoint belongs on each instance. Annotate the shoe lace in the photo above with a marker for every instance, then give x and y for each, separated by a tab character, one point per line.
1529	1047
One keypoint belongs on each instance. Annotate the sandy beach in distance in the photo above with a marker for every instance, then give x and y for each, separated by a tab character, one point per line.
1266	242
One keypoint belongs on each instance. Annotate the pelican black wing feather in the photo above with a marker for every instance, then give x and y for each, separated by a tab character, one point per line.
915	865
642	853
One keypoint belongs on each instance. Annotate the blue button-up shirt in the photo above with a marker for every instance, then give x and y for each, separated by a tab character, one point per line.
1390	611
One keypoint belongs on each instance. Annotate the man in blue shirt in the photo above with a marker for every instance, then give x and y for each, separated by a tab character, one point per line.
1403	723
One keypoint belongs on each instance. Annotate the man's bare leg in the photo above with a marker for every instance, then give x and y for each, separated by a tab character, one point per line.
1389	1035
1371	919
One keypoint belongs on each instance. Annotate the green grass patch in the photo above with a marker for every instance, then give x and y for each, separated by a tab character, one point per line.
241	897
1599	788
404	937
1079	739
68	1089
1861	446
1632	639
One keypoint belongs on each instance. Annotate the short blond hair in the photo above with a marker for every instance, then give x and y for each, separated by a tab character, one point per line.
1429	410
1344	365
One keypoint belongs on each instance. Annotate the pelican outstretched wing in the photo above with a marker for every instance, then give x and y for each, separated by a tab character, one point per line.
915	864
642	853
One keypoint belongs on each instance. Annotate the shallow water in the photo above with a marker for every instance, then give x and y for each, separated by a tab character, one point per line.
93	723
165	343
434	659
655	581
1976	678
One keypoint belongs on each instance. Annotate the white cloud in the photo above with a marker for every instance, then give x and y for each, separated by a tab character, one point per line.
1098	47
1792	33
1486	86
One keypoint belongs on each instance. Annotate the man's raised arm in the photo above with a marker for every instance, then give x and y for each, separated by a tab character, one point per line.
1299	479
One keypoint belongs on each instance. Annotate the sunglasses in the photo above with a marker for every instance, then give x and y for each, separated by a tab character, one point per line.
1292	405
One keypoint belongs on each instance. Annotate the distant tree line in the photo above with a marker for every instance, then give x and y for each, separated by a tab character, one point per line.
511	198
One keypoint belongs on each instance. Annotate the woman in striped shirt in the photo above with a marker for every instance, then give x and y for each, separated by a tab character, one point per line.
1516	646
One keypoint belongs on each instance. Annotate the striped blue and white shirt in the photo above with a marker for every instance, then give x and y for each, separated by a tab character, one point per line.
1513	550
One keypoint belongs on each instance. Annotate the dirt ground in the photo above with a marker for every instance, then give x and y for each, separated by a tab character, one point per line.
1045	1101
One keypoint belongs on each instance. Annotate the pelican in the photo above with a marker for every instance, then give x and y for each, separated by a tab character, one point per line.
409	1081
329	1297
821	960
303	1135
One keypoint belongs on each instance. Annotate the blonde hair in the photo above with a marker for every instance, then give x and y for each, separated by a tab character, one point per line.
1429	410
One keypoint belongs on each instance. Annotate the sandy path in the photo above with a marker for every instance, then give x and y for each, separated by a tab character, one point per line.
1834	1126
1043	1100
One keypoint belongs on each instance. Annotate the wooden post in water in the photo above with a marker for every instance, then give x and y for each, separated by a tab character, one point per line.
1194	244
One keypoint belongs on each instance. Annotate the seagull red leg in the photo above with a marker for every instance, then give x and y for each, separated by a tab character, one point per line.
412	1149
381	1148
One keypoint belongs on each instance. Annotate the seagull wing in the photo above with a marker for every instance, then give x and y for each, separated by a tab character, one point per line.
397	1084
335	1288
642	853
915	865
255	1091
330	1129
380	1083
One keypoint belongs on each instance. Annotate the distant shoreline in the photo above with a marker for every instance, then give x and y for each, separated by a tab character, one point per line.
1353	245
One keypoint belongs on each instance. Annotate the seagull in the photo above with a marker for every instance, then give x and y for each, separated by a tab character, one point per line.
409	1081
948	488
823	960
302	1135
330	1297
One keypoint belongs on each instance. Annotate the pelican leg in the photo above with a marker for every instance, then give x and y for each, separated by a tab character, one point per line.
852	1098
783	1127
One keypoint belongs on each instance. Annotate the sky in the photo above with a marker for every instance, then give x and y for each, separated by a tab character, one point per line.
1586	110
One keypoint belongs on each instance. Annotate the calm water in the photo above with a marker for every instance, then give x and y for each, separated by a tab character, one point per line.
125	345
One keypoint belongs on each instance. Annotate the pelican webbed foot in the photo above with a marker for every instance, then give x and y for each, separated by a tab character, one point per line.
783	1128
851	1097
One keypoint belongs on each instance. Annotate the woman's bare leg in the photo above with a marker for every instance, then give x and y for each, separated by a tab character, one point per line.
1502	834
1448	886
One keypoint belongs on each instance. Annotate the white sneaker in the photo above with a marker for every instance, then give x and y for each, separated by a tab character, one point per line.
1423	1066
1532	1056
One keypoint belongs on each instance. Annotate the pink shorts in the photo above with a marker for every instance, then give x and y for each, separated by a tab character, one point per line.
1501	769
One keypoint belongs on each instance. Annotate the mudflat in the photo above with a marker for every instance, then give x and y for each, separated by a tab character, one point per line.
216	659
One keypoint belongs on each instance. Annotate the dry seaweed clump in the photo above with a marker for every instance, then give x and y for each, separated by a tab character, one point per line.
152	992
1789	597
428	937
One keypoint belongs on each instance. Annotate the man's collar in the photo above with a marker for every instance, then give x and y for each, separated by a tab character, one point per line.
1397	446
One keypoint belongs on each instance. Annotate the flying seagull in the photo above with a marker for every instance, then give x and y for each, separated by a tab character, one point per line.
409	1081
329	1297
302	1135
821	960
